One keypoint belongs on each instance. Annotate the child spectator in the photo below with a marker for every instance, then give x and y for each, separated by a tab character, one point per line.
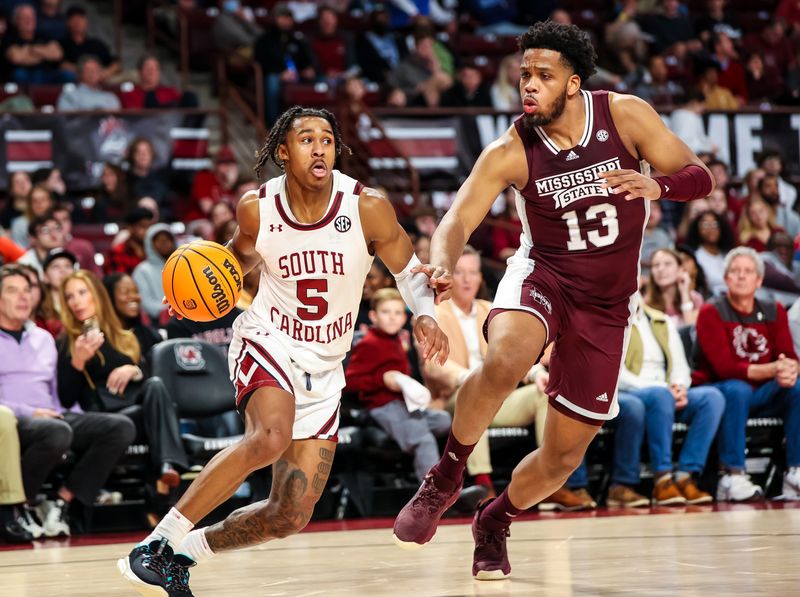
379	371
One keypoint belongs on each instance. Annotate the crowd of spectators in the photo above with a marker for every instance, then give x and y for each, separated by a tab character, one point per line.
662	50
78	321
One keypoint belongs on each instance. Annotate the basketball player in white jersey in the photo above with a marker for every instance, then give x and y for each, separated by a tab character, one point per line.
315	230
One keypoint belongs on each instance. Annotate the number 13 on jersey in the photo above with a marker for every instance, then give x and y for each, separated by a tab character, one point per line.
608	218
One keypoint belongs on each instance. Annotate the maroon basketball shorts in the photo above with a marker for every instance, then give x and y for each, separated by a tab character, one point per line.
590	339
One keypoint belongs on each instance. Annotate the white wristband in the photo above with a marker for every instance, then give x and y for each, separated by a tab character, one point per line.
415	290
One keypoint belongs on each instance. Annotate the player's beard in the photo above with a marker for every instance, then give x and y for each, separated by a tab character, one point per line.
541	118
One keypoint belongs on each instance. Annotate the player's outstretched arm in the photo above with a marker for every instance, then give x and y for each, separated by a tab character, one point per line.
501	164
684	175
386	237
243	243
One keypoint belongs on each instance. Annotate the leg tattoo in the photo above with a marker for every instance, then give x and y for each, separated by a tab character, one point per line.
323	470
282	515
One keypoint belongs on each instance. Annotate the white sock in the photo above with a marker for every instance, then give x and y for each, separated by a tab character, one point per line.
196	547
173	527
681	475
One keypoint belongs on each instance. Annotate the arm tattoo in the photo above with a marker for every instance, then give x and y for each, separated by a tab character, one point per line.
285	514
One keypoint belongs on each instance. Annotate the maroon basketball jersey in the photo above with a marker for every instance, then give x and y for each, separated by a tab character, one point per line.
588	237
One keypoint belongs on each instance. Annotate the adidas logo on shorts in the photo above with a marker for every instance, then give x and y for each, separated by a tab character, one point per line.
602	397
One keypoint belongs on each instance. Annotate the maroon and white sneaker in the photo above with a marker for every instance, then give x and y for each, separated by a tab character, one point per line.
490	558
416	524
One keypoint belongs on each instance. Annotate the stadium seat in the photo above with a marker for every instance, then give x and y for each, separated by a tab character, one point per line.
44	95
486	45
320	95
196	376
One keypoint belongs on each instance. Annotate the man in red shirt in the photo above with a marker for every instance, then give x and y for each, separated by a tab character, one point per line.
747	352
731	71
210	188
150	93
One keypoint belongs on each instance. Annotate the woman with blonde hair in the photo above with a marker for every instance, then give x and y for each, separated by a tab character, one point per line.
757	223
670	288
100	367
505	89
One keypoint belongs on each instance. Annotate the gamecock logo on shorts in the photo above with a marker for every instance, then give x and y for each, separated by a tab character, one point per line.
189	357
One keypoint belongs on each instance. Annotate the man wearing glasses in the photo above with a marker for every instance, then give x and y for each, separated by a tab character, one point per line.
46	234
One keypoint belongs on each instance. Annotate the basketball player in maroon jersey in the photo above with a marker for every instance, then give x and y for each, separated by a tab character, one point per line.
579	164
315	230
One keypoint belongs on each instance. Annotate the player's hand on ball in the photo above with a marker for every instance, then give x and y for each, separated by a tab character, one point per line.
631	182
440	279
172	313
431	339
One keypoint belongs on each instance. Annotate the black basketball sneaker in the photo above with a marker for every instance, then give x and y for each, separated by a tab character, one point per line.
147	567
178	576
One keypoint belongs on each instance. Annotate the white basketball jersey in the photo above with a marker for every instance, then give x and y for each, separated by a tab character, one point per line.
312	277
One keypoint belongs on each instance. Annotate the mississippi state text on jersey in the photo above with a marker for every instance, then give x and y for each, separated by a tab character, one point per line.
585	235
312	275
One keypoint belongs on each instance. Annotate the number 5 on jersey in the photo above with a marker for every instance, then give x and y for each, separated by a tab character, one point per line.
315	300
608	218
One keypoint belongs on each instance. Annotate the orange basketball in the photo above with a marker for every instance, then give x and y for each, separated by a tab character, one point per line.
202	280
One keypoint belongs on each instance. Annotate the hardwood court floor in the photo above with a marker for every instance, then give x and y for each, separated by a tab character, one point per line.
736	552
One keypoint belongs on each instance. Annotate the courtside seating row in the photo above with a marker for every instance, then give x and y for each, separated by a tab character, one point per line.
368	463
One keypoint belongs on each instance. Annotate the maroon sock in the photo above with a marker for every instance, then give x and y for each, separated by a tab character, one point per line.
454	460
499	514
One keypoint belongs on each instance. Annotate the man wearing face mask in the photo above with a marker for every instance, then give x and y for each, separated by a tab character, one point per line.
235	29
376	48
284	56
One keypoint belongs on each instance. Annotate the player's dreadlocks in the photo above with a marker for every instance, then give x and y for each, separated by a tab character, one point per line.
574	45
278	135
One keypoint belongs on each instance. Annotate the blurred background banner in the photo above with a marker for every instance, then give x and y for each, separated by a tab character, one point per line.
79	144
453	142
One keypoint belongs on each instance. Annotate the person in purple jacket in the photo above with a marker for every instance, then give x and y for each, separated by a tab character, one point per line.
46	430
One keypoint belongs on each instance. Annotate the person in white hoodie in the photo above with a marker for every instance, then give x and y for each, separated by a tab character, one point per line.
159	243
